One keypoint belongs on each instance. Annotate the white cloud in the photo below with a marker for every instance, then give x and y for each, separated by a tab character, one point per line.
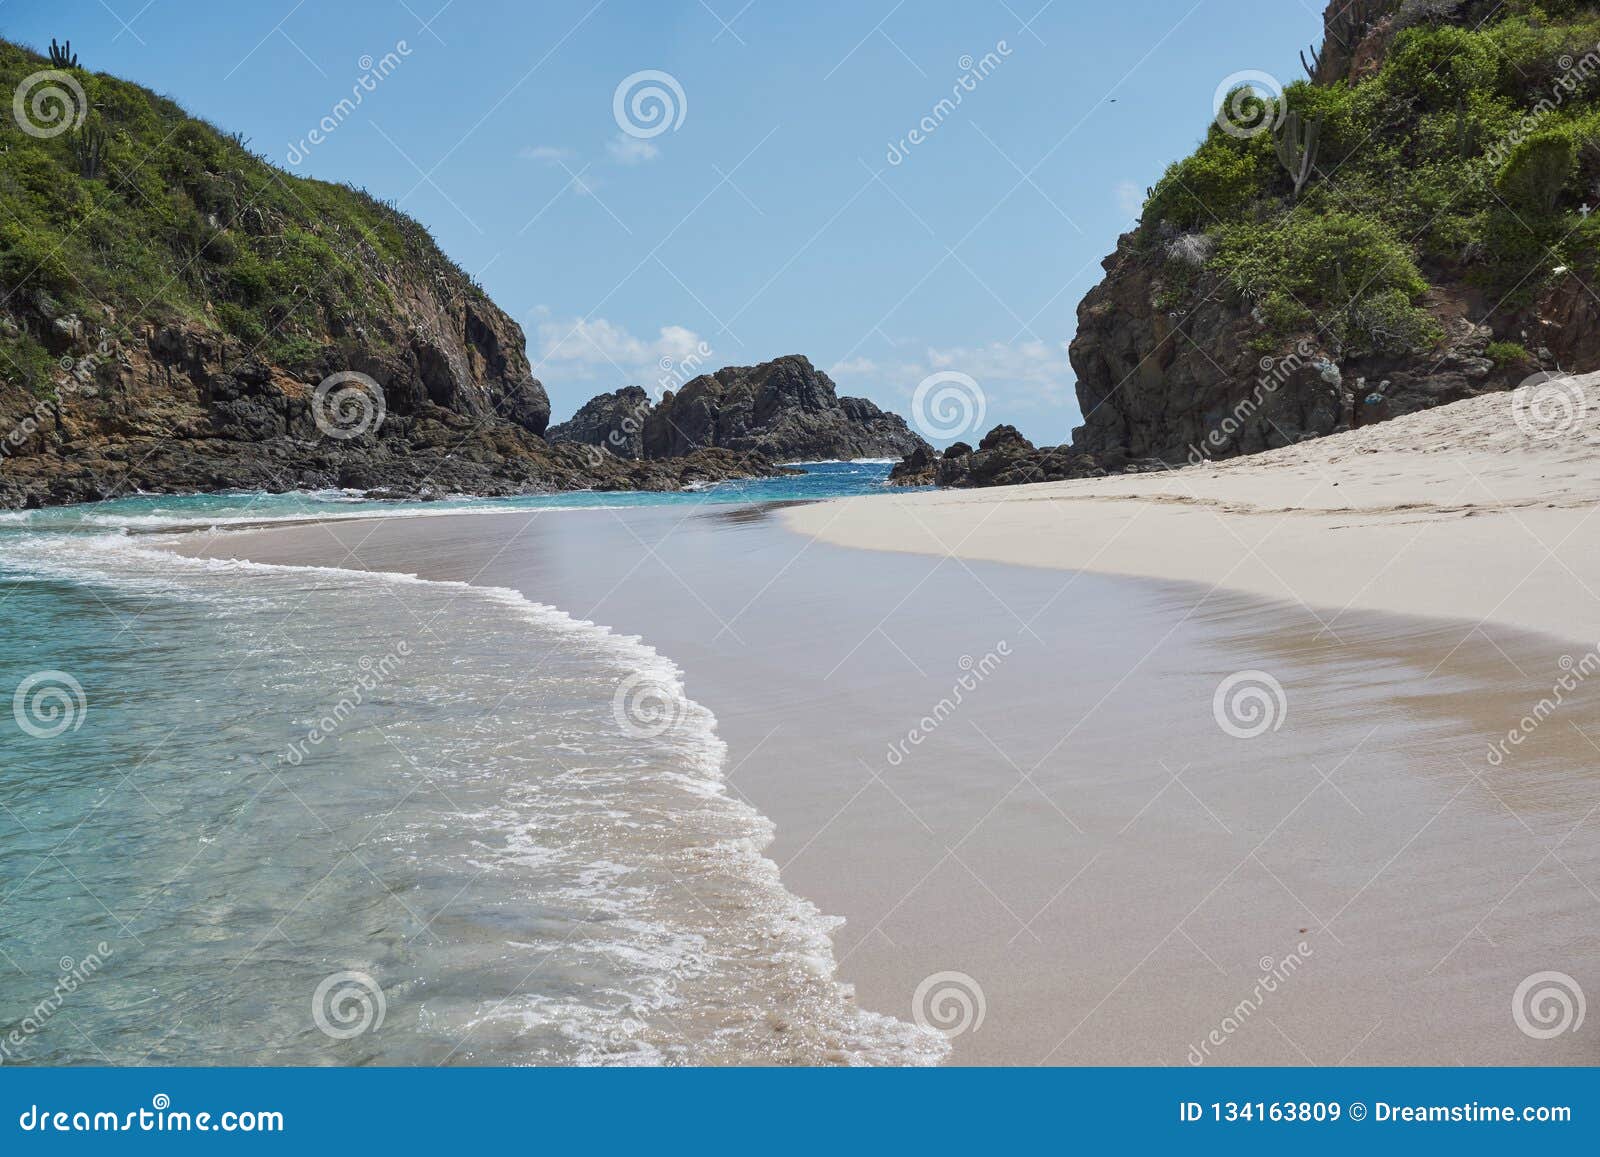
1130	198
1029	372
1038	369
595	348
585	184
626	150
1028	384
853	367
544	154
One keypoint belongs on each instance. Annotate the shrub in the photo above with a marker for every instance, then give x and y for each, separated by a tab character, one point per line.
1319	259
1537	170
1210	186
240	322
181	216
1347	115
1507	353
1436	66
1387	322
1537	58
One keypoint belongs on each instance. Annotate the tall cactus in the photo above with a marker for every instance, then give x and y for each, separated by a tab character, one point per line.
1296	144
1313	64
61	55
1466	131
89	149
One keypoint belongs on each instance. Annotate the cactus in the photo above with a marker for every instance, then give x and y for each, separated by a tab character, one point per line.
1313	64
1348	26
89	147
1466	132
1296	145
61	55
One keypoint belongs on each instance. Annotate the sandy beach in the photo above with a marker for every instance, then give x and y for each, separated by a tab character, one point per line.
1239	809
1453	512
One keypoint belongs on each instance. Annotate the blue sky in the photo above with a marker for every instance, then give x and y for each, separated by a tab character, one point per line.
769	218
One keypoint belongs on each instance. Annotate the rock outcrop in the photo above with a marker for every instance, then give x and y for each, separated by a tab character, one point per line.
1003	458
613	422
1182	385
785	410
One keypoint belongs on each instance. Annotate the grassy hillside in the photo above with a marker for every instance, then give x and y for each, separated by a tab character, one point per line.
143	213
1468	159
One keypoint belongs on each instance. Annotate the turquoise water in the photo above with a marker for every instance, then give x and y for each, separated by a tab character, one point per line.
821	480
285	815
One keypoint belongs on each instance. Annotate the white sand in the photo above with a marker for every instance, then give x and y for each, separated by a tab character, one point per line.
1453	512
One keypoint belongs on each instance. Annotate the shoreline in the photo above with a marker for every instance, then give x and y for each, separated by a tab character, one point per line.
1371	520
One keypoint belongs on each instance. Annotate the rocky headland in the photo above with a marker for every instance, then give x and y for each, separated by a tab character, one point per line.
785	410
1407	226
178	315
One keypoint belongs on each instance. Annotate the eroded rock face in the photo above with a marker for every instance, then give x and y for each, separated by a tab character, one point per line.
613	422
172	408
457	350
1158	383
785	409
1181	384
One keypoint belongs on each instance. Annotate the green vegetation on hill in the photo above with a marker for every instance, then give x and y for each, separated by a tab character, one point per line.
143	213
1472	156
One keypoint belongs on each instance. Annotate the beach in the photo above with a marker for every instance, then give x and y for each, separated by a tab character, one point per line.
1456	512
1169	814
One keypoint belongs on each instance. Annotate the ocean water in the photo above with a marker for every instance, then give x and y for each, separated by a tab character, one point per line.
286	815
821	480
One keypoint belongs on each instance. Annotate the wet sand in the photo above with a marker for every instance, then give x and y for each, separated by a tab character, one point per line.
1115	877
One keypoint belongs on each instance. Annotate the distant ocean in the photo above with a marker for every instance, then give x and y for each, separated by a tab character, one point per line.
249	812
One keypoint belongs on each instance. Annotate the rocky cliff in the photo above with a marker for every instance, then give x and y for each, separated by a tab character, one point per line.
1409	225
785	410
177	314
1438	245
